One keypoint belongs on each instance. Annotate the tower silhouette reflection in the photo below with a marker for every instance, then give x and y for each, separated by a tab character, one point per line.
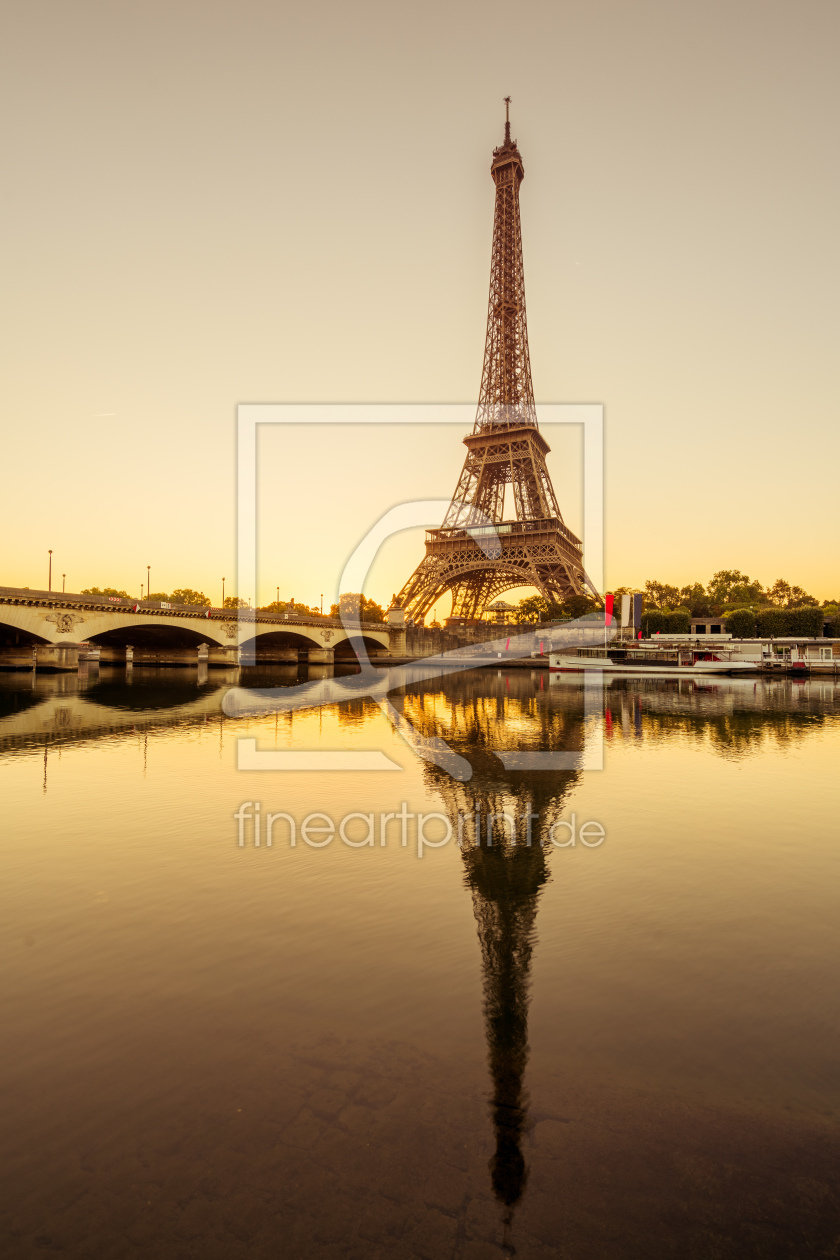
505	866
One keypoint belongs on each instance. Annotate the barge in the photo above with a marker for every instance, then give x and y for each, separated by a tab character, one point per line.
681	661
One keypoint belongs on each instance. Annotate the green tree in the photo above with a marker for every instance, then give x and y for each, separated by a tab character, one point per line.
665	622
371	611
661	595
577	606
696	599
741	623
232	601
781	622
159	596
352	605
731	586
779	593
532	608
105	590
782	595
186	595
801	599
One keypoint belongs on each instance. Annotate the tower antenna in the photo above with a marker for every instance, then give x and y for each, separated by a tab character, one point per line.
507	120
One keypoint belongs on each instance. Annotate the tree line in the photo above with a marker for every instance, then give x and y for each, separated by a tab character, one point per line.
183	595
726	590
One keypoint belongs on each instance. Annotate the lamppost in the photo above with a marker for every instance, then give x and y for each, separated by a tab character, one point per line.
322	603
148	582
49	588
223	592
278	594
63	578
142	588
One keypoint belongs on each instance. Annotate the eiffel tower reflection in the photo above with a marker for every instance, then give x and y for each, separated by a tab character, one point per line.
476	713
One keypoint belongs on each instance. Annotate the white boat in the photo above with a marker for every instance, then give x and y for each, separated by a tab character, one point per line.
667	662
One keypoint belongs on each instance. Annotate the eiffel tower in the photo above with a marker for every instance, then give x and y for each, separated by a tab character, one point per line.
476	554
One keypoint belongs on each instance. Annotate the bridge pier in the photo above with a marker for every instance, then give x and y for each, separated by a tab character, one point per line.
49	658
320	655
396	632
223	656
109	655
56	658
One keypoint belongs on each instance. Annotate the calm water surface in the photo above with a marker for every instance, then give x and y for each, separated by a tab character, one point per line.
628	1050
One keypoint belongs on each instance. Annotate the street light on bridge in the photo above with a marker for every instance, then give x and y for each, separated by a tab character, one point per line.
63	576
148	582
223	592
49	587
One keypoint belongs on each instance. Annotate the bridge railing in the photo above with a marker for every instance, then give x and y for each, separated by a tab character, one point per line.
58	599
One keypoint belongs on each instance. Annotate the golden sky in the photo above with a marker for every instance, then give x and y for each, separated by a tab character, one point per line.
207	204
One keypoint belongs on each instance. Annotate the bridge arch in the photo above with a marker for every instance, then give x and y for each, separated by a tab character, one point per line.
15	635
145	634
345	649
282	645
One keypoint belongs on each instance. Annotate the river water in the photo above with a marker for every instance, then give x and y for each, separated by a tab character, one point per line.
623	1048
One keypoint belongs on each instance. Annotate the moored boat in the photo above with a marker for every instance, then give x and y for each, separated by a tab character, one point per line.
683	661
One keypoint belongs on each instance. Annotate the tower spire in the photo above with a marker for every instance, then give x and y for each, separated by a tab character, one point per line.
507	120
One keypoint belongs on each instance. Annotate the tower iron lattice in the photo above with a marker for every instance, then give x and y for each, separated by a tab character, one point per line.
477	554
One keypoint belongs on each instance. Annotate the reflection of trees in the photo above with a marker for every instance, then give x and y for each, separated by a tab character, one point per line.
477	713
355	712
736	718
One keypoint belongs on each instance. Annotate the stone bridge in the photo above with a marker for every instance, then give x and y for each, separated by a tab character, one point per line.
48	630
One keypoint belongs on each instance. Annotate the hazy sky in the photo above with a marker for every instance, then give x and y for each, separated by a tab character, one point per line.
208	203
